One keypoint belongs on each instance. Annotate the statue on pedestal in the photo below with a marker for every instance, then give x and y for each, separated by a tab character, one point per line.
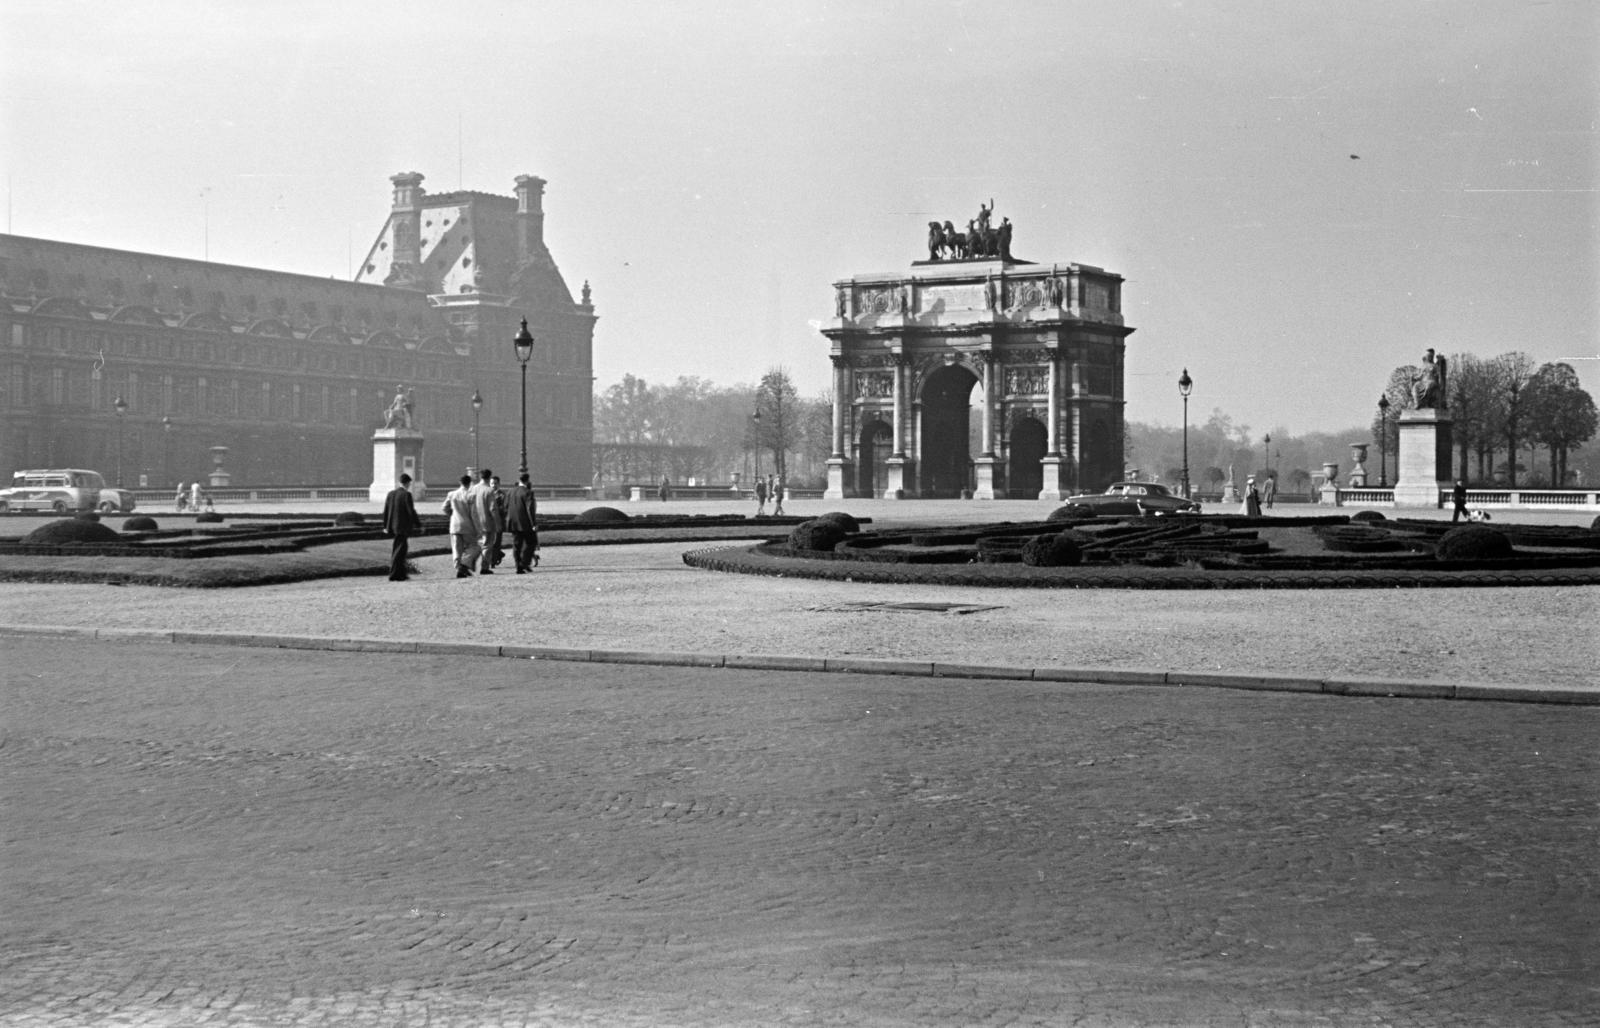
401	410
1428	385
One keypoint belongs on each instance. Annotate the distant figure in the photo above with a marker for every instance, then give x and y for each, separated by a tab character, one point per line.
522	518
464	527
1269	489
197	494
1252	499
665	492
761	496
182	499
497	503
1458	496
779	485
400	520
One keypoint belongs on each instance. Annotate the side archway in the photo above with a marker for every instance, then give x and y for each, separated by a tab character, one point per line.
1024	472
945	457
872	472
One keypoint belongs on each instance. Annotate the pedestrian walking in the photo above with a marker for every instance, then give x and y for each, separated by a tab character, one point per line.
182	499
465	530
400	521
522	518
489	527
498	500
195	493
1252	498
666	488
779	485
761	496
1458	496
1269	489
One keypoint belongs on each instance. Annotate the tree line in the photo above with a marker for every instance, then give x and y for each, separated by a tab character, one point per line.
1500	407
694	430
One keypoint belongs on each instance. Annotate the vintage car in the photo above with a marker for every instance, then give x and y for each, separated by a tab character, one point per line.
1134	499
116	501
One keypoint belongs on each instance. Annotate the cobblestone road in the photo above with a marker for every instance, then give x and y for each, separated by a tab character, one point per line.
216	836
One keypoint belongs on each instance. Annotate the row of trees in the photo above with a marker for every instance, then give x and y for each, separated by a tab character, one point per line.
694	429
1222	446
1500	407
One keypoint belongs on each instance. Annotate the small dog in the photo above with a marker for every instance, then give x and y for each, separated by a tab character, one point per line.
1478	515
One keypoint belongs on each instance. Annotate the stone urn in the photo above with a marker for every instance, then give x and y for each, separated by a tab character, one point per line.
1358	457
219	476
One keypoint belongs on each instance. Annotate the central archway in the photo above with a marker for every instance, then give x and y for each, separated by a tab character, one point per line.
945	457
1024	472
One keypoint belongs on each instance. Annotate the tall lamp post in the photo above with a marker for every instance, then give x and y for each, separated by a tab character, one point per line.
1185	383
477	405
1266	452
166	450
1383	442
755	416
523	342
121	407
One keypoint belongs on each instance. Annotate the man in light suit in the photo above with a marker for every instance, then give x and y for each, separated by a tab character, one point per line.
522	513
489	527
465	528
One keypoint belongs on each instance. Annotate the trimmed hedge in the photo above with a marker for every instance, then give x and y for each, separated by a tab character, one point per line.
142	523
817	534
1368	515
210	517
70	530
1474	542
1069	512
600	515
349	517
843	520
1052	551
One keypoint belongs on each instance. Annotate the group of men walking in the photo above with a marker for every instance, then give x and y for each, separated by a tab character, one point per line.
480	515
772	487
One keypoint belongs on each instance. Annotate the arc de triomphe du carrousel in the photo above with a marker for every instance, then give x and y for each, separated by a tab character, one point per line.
1042	343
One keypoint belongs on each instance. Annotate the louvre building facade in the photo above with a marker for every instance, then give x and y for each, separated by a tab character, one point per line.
292	373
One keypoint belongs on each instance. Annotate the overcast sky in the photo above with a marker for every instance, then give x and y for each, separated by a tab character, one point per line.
1301	195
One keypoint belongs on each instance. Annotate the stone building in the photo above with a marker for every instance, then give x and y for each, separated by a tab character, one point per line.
1043	345
293	372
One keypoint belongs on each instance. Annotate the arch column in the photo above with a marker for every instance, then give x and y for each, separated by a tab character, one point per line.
841	470
1051	487
898	464
983	488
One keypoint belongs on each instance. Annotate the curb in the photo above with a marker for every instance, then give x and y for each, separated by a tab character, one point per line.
1362	687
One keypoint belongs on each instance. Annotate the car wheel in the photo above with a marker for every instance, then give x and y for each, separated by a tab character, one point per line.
60	507
5	508
106	507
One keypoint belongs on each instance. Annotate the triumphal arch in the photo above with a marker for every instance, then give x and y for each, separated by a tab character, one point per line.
977	373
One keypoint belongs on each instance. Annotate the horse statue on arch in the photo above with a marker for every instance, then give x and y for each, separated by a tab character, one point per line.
955	243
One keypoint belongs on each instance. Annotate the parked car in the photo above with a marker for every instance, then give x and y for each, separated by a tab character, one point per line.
1134	499
116	501
54	489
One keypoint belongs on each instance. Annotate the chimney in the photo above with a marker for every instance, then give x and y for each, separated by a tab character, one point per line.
406	264
530	216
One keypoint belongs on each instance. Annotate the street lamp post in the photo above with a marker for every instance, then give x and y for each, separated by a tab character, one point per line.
523	342
755	416
121	407
477	405
166	450
1185	383
1266	452
1383	442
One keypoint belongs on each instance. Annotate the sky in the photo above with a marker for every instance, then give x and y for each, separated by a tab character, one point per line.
1301	196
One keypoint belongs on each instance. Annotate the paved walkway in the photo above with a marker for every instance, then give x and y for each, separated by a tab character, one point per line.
210	835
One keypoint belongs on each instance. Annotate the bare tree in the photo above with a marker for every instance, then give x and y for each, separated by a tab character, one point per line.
1473	409
779	425
1514	373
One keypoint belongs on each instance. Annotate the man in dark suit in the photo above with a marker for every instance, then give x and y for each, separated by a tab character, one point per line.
522	518
400	520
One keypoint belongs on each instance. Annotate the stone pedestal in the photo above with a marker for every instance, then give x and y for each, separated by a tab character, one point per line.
1424	461
983	473
1052	490
841	472
895	487
395	451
